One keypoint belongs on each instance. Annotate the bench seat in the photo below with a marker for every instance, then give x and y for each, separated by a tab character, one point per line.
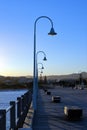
56	99
73	112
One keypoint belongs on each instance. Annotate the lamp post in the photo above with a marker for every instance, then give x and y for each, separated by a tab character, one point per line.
44	59
52	32
37	72
42	67
40	79
43	54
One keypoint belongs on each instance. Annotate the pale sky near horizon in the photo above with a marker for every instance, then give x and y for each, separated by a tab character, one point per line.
66	52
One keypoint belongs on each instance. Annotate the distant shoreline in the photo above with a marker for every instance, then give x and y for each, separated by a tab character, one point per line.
12	89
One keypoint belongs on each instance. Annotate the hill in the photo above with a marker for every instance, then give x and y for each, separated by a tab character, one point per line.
69	76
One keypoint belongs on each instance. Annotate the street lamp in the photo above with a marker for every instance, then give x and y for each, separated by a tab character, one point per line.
40	78
44	59
52	32
42	67
43	54
41	71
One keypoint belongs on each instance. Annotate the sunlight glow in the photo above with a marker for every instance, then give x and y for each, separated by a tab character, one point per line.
2	65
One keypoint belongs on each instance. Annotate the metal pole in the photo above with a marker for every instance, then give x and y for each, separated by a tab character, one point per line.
2	119
35	68
12	115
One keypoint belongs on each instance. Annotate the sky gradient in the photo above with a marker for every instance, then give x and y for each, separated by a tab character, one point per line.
66	52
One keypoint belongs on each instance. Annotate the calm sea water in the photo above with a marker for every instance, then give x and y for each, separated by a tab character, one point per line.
5	97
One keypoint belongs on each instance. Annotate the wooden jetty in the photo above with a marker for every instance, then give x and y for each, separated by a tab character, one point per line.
50	115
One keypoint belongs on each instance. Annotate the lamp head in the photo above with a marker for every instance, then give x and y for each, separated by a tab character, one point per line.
41	72
42	67
52	32
45	59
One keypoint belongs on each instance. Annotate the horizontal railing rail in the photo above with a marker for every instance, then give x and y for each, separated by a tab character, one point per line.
18	111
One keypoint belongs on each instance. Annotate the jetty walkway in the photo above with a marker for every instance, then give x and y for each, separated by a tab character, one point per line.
50	116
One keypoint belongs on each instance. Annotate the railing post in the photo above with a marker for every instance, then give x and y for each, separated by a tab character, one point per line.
26	98
2	119
22	105
19	107
24	101
29	98
12	116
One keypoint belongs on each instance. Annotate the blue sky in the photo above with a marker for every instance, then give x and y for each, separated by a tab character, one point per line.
66	52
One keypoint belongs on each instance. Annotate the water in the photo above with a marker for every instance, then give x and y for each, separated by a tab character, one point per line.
5	97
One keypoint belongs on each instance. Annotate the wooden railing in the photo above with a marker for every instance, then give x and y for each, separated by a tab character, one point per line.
18	111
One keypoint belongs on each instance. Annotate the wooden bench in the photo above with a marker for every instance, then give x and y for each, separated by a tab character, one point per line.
48	93
45	90
73	112
56	99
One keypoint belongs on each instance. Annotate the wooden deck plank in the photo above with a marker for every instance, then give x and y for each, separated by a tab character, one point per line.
50	116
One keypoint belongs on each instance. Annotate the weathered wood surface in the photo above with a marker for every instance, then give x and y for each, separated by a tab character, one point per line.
50	116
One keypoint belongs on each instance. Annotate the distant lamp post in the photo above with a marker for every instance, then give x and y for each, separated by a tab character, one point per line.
44	59
40	71
41	65
52	32
43	54
40	78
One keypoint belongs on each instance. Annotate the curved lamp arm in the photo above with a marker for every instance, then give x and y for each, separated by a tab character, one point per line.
42	65
43	54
